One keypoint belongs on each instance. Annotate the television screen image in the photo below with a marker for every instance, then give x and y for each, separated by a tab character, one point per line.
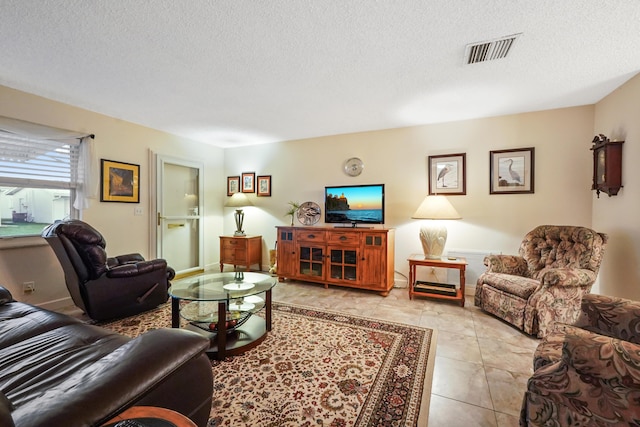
354	204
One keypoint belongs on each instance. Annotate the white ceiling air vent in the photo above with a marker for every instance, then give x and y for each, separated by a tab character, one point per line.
489	50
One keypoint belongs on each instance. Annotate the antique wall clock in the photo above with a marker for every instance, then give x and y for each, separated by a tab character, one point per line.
607	165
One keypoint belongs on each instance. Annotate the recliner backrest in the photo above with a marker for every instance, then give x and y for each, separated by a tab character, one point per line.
75	271
554	246
88	244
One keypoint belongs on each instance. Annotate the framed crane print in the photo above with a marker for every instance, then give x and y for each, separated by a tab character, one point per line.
448	174
512	171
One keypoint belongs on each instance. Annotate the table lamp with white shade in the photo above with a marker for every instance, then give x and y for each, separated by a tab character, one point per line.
239	200
433	232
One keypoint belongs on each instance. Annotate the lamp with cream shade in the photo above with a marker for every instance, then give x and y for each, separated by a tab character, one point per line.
433	232
239	200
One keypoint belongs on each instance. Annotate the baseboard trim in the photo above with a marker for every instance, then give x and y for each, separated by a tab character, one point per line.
56	304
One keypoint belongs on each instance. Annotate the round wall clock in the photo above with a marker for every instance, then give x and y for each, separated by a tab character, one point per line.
309	213
353	166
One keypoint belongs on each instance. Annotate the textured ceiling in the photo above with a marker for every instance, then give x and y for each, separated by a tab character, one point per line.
237	72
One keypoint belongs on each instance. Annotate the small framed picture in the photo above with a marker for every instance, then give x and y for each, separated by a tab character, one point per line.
248	182
264	186
511	171
120	182
448	174
233	185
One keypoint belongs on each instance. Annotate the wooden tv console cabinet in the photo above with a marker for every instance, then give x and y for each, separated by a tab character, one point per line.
355	257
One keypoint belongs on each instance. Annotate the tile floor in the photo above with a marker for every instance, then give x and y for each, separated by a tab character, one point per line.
482	364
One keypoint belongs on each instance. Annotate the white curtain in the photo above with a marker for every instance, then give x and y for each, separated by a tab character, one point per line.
86	175
87	181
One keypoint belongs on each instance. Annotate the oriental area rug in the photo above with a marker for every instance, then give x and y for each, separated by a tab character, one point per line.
318	368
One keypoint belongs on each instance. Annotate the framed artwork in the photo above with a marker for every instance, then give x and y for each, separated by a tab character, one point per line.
233	185
448	174
248	182
511	171
264	186
120	182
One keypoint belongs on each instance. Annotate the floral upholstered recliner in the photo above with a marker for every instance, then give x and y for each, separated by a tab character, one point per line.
557	265
588	373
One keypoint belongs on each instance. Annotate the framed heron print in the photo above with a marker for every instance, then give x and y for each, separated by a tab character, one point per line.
448	174
512	171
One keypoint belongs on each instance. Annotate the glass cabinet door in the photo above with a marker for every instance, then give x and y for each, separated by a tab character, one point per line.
311	261
343	264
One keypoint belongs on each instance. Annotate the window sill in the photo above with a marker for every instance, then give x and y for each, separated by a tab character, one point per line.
21	242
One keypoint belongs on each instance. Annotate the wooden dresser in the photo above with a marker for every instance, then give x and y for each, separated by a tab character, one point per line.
354	257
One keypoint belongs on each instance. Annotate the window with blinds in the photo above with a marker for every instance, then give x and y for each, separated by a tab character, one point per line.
38	178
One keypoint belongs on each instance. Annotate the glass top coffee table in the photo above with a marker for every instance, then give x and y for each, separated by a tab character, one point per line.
222	307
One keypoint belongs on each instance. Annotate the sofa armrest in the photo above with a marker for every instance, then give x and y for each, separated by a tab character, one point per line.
610	316
550	348
594	383
5	296
566	276
508	264
604	358
96	393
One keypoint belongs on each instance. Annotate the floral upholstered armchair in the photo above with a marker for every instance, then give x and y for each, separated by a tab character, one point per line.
545	283
588	373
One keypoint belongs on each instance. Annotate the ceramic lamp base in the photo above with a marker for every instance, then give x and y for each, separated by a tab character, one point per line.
433	238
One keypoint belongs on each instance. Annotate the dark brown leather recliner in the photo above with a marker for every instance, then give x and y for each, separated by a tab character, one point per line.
106	288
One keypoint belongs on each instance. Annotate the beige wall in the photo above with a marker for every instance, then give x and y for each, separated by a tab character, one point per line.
397	157
617	117
115	140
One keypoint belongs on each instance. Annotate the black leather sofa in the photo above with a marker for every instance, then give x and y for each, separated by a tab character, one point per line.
57	371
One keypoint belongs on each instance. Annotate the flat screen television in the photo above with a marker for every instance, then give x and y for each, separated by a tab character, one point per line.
354	204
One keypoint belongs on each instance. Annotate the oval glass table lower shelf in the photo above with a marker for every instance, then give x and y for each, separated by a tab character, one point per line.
247	334
204	314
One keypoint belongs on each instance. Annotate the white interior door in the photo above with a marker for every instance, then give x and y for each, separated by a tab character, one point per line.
179	237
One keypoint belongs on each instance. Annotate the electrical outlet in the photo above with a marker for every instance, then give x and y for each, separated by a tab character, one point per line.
137	210
28	287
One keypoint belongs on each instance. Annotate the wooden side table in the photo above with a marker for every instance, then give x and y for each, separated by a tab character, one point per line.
153	412
242	251
436	290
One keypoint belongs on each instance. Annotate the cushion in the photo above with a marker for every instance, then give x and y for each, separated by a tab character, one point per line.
553	246
522	287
